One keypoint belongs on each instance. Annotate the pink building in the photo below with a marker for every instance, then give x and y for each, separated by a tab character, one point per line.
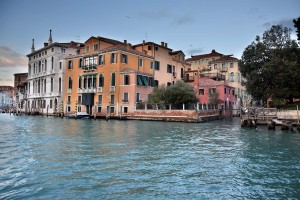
204	86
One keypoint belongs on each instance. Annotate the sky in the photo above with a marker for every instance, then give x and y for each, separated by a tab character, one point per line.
193	26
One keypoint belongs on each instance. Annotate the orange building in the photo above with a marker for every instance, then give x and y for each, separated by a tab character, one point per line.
107	77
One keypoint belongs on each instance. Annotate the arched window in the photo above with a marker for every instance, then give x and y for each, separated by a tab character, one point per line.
52	62
101	80
232	77
113	79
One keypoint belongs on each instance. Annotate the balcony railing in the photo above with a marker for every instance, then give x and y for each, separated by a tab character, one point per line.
91	67
112	89
86	90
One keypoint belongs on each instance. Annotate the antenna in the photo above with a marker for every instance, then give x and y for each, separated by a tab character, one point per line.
146	34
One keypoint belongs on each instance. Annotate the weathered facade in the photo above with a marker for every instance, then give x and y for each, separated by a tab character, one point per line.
46	76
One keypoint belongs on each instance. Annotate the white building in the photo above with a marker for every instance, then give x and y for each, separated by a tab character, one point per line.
46	76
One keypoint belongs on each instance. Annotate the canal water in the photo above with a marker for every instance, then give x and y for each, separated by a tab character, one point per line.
54	158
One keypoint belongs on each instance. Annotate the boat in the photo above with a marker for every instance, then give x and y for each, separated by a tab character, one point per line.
79	115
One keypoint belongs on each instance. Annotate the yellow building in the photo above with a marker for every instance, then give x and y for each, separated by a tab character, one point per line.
107	77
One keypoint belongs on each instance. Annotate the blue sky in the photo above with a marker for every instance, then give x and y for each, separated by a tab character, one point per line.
193	26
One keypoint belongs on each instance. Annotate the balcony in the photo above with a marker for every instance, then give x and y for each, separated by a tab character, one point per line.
223	69
112	89
86	90
89	68
99	89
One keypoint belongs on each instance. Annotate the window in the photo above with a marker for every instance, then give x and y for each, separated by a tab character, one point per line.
149	47
156	83
113	79
63	50
101	59
79	99
139	80
225	90
181	73
79	109
80	62
50	103
215	66
125	109
70	83
99	99
52	49
95	47
151	65
101	80
156	48
125	97
212	90
45	52
169	84
113	58
45	65
99	109
69	108
52	62
157	65
79	82
69	99
60	64
70	64
51	84
126	79
124	58
140	62
59	85
231	77
201	91
169	68
232	92
137	97
87	48
112	99
231	65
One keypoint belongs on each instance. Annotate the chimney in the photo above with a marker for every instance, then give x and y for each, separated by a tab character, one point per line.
166	45
162	44
45	44
125	41
213	51
143	41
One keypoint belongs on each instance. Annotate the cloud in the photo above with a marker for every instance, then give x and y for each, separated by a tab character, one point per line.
153	15
182	20
10	58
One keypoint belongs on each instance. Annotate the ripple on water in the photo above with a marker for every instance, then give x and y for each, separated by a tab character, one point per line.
54	158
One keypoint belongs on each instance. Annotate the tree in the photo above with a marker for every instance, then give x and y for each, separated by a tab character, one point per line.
214	98
271	66
178	93
297	26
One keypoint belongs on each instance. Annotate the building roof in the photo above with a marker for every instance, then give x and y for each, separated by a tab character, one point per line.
152	43
105	40
123	47
204	82
209	55
224	59
176	52
57	44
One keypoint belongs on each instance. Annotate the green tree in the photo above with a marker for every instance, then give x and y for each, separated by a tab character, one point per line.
297	26
178	93
271	66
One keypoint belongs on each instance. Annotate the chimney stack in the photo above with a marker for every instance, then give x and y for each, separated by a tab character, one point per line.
162	44
32	47
166	45
125	41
